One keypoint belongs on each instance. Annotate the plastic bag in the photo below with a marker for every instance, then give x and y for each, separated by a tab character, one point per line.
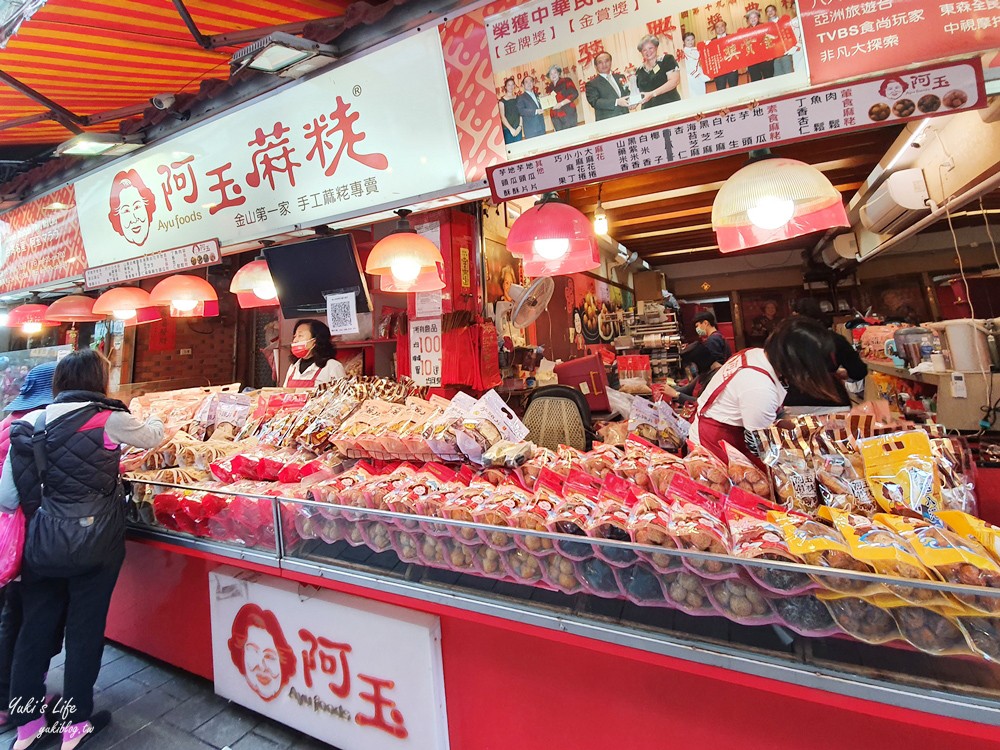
743	473
12	527
901	471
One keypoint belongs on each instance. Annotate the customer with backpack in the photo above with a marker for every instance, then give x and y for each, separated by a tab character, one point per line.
64	460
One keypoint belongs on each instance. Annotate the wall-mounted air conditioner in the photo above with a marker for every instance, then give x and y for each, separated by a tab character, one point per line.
834	259
897	203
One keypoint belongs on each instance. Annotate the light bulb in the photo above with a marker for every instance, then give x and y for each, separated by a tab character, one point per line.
405	269
31	327
771	212
123	314
184	305
600	223
265	290
552	249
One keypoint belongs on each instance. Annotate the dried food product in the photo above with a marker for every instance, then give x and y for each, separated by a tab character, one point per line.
986	534
598	578
559	572
806	615
932	630
652	529
954	99
573	516
672	431
641	585
704	467
497	510
696	524
524	566
686	591
529	470
375	534
744	474
741	601
662	468
488	421
458	555
817	544
953	558
601	460
508	455
957	472
644	420
406	544
462	505
902	473
888	553
535	517
754	537
613	518
860	618
982	635
489	562
793	479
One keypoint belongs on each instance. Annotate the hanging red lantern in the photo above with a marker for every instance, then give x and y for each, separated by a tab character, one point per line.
76	308
553	239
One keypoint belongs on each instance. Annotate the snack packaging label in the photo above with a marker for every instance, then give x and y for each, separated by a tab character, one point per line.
900	469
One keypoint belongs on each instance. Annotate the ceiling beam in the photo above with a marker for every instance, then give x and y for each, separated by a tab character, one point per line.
60	114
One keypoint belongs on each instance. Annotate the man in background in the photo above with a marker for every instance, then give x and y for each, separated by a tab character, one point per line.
706	328
607	92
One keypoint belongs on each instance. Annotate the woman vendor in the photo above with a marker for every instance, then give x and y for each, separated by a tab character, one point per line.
748	391
313	361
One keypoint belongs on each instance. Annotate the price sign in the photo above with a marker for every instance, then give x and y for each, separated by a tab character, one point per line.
425	351
185	258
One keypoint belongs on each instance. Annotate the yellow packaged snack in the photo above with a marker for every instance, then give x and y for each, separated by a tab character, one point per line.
971	527
817	544
933	630
888	553
954	558
902	473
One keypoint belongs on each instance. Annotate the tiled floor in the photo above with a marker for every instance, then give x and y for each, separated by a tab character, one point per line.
157	707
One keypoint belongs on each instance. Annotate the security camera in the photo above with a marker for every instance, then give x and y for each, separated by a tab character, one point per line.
163	101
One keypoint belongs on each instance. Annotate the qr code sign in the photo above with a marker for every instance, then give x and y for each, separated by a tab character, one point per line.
342	313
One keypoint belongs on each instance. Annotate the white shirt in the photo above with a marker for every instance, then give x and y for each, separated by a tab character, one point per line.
333	370
751	399
614	84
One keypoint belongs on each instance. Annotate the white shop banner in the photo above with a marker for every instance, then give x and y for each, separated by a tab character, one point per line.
886	100
348	140
357	674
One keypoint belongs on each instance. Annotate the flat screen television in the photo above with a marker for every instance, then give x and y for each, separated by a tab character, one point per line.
305	272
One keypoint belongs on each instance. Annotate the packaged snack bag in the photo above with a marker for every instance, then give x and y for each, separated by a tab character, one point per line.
704	467
696	524
506	454
600	460
817	544
986	534
887	553
598	578
746	476
933	630
650	526
488	421
574	515
957	472
741	601
902	474
642	585
982	635
806	615
839	468
672	430
535	516
954	558
530	469
686	591
462	505
633	466
755	537
794	480
497	509
860	618
612	520
523	566
644	420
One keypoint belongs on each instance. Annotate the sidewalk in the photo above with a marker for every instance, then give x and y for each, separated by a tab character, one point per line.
157	707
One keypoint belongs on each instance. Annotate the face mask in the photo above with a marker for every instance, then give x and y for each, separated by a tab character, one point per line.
301	348
700	331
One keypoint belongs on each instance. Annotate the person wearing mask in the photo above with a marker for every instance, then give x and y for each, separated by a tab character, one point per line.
726	80
748	391
846	364
509	113
313	360
607	92
758	71
64	461
532	114
706	328
699	361
659	75
563	114
36	392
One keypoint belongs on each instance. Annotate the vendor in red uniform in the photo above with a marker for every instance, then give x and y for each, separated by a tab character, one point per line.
313	361
747	392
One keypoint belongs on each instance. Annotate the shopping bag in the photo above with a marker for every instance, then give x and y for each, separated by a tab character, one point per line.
11	545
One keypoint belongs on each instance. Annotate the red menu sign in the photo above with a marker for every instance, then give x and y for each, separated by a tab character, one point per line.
40	242
847	38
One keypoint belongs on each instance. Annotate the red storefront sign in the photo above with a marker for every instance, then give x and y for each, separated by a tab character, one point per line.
746	47
847	38
40	242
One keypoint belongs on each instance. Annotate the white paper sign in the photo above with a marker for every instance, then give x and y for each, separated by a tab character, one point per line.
425	351
334	145
428	304
342	313
169	261
356	674
810	114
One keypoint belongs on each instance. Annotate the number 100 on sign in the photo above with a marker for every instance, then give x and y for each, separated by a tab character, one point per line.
425	351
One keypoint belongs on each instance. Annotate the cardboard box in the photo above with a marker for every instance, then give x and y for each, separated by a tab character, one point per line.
648	285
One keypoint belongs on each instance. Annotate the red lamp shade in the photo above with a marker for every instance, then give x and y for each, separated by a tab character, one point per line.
208	309
249	300
76	308
772	200
123	303
144	315
254	279
183	292
553	239
404	256
32	315
428	280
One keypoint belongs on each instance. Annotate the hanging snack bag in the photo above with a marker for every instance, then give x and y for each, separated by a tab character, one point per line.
755	537
530	469
696	524
818	544
902	474
704	467
673	431
954	558
888	553
650	526
793	479
644	420
743	473
861	618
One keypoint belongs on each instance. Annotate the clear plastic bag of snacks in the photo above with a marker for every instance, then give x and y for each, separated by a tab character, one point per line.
744	474
704	467
793	479
696	524
600	461
535	515
530	469
612	520
933	630
902	473
650	526
498	510
573	515
957	472
861	618
742	600
806	615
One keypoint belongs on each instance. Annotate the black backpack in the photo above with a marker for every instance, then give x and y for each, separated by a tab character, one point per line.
68	537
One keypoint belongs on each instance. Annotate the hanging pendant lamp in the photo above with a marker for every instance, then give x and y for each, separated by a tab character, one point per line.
553	239
770	200
405	261
76	308
29	317
125	303
184	294
144	315
253	285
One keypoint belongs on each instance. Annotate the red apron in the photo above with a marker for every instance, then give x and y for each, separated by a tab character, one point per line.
712	432
298	381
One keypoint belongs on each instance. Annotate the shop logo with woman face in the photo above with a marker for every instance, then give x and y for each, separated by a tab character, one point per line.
132	207
260	652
